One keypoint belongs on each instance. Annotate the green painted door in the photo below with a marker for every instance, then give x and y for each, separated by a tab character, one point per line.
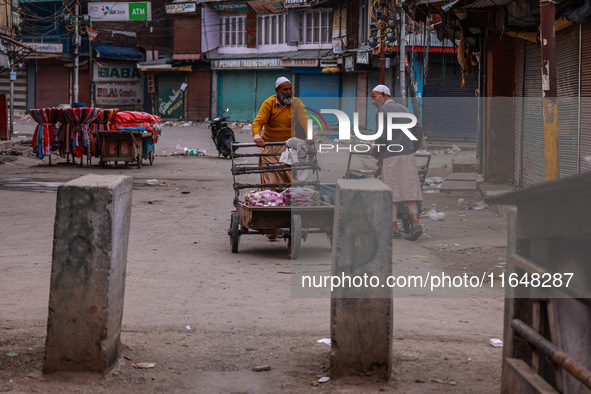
171	99
238	94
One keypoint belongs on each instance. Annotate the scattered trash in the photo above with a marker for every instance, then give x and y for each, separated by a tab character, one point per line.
463	321
127	358
399	338
186	124
480	205
443	381
12	353
314	383
433	181
262	368
431	191
420	381
324	340
151	182
144	365
461	201
455	149
420	257
247	127
435	216
496	342
188	327
115	373
323	379
11	152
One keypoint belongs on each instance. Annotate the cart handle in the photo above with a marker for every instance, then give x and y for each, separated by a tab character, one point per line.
251	144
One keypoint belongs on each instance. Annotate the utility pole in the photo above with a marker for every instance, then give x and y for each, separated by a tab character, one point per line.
548	41
402	57
11	110
76	54
91	67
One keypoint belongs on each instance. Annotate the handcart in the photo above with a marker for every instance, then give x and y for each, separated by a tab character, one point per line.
293	223
423	161
127	145
132	141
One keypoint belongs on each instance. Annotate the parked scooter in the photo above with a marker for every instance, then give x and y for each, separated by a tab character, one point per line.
222	135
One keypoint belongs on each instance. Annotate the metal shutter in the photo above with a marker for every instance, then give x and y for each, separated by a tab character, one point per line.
585	139
199	94
237	93
450	112
320	91
567	81
518	112
533	161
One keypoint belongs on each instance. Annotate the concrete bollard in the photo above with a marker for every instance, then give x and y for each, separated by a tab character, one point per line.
361	316
90	241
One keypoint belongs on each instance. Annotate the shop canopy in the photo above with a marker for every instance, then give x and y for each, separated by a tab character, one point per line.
118	52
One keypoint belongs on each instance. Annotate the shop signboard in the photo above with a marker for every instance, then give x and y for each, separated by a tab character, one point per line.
117	84
45	47
230	7
225	64
120	12
181	8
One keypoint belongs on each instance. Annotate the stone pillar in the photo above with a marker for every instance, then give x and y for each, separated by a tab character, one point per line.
361	316
90	240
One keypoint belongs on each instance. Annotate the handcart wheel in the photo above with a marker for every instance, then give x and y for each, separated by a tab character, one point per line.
295	237
234	231
139	160
151	157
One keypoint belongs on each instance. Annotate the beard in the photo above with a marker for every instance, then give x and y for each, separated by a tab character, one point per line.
284	99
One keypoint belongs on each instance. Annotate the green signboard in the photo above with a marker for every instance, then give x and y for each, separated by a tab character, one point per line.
171	98
230	7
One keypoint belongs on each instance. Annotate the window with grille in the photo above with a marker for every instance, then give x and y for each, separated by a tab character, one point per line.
271	29
363	28
233	31
316	27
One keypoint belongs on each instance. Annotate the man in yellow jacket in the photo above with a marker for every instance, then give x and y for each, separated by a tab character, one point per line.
279	125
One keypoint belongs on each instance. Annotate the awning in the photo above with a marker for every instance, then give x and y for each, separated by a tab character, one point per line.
164	67
117	52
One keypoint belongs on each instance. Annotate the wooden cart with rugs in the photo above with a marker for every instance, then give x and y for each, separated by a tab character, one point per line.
293	223
133	140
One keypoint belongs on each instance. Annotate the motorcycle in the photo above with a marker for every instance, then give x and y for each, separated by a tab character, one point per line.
222	135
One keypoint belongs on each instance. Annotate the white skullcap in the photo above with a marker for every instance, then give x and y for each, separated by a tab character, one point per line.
382	89
280	80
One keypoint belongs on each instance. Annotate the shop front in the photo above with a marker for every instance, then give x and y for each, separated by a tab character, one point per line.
243	85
